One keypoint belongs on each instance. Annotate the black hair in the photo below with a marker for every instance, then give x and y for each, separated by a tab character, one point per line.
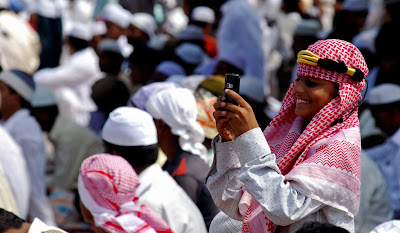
317	227
77	43
9	220
198	23
137	156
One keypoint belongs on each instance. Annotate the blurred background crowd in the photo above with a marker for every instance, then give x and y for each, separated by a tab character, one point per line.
67	64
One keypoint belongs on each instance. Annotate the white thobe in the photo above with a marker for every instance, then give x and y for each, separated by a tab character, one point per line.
159	191
27	133
71	84
236	163
15	170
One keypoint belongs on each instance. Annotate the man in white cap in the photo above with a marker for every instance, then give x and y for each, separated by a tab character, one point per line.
384	102
10	222
204	17
99	31
142	28
71	82
130	132
72	142
17	89
181	138
117	21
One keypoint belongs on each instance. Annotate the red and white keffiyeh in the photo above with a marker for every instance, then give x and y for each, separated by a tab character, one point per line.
323	161
107	188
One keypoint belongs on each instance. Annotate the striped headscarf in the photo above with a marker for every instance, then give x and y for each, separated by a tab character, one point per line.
107	187
324	164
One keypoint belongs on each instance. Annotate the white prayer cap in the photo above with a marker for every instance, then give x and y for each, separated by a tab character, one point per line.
391	226
170	68
140	98
99	28
177	108
4	4
145	22
355	5
203	14
175	21
115	13
80	31
19	81
385	93
190	53
38	226
43	97
129	126
109	45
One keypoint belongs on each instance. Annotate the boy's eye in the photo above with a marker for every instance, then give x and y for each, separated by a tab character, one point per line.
311	83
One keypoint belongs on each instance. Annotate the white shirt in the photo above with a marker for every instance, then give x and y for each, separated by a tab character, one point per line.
15	170
27	133
159	191
291	209
71	84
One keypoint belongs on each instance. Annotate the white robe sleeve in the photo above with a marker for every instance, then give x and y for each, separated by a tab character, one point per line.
248	161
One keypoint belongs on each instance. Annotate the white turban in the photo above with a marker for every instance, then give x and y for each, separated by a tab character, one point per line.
177	107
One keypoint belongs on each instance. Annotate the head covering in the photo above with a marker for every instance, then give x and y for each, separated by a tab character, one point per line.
115	13
203	14
190	53
37	226
129	126
19	81
191	32
109	45
177	108
145	22
80	31
170	68
175	21
214	83
355	5
99	28
334	157
42	97
140	98
385	93
107	187
391	226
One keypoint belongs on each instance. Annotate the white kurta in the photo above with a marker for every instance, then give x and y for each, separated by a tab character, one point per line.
71	84
159	191
27	133
248	160
15	170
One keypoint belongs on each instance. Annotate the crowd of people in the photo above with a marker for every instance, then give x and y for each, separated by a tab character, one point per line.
114	116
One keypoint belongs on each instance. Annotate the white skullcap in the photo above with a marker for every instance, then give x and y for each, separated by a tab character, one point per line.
355	5
38	226
20	81
129	126
4	4
99	28
145	22
203	14
190	53
175	21
140	98
81	31
385	93
170	68
177	108
391	226
43	97
115	13
109	45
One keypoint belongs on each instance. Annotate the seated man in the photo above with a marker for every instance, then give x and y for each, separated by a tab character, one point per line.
131	133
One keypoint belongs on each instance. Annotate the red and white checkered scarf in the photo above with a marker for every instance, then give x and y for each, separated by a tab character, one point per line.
319	158
107	188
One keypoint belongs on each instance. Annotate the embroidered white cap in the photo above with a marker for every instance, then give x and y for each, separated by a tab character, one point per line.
145	22
81	31
203	14
115	13
129	126
385	93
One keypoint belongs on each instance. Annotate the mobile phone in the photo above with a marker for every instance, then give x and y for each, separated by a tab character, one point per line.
232	81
